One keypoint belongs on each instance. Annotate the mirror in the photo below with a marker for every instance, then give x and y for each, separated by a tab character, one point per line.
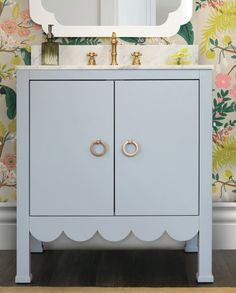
111	12
128	18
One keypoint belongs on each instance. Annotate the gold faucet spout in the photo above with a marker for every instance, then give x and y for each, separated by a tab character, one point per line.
114	43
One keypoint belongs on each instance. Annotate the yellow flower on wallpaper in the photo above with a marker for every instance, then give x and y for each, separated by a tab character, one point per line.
220	20
214	188
13	196
228	174
227	40
12	126
224	154
210	54
3	130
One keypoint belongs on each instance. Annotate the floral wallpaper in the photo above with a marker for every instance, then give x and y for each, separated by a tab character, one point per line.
213	28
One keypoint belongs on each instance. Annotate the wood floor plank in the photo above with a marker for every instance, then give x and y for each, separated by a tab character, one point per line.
155	268
113	290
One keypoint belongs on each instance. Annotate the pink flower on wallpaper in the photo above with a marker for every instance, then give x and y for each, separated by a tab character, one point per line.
215	3
222	135
9	27
223	81
217	115
25	14
23	32
11	178
10	161
233	92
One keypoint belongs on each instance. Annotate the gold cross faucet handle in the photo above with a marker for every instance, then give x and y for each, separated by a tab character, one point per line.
92	60
136	56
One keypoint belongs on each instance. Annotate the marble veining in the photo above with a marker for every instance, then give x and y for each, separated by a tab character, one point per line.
110	67
153	55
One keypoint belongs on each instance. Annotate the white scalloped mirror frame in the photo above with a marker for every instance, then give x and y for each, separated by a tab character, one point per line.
175	19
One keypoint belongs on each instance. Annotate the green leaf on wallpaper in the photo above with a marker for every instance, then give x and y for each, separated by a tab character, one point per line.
10	96
224	93
186	32
212	41
135	41
26	56
215	103
234	190
217	123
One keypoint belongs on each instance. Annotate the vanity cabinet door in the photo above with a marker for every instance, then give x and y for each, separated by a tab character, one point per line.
162	117
66	117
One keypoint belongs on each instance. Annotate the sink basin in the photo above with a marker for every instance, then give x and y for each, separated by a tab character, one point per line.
153	55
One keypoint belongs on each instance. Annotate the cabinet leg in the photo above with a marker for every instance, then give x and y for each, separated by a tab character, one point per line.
204	274
23	270
191	246
36	245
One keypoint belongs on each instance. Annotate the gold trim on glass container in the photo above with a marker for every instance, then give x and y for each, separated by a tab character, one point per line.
96	143
124	150
50	49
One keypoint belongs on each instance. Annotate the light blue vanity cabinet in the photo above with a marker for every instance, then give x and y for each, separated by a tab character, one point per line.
114	151
65	118
163	118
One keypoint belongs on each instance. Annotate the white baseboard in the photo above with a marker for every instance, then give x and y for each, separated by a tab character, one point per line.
7	226
224	226
224	233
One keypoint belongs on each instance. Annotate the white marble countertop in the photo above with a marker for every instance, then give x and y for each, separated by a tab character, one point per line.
110	67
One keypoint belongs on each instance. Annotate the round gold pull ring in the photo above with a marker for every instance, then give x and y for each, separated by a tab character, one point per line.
124	148
97	143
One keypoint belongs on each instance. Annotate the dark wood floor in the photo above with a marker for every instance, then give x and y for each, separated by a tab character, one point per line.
119	268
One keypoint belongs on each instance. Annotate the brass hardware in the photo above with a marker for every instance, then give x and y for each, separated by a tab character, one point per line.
50	49
114	43
130	142
136	56
96	143
92	56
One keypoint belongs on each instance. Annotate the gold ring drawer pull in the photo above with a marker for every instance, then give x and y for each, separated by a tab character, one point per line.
124	148
97	143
